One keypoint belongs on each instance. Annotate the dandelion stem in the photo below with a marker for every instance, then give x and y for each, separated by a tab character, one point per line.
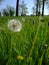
33	42
41	59
11	44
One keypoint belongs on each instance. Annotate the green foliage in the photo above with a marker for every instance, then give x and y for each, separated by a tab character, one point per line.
9	11
5	12
33	10
23	8
29	42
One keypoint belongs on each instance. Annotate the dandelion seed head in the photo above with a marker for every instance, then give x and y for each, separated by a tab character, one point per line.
14	25
23	19
41	19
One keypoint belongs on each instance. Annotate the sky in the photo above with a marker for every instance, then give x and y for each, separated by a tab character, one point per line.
29	5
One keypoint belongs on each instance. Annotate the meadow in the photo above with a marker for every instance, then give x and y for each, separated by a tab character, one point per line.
30	46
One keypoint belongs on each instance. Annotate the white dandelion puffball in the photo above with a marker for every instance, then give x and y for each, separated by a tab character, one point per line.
14	25
41	19
23	19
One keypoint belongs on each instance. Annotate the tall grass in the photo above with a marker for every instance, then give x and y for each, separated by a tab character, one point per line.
29	43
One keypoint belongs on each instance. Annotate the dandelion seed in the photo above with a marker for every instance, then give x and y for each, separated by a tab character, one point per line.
41	19
19	57
23	19
14	25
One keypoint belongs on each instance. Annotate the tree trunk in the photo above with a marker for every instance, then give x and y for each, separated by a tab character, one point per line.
17	5
43	7
37	8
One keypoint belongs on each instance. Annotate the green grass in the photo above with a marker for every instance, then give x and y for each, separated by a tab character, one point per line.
28	43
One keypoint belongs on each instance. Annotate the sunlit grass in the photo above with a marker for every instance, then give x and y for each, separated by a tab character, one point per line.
28	45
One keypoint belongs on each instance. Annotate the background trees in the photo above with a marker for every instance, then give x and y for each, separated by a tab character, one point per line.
5	12
44	2
0	4
33	11
40	5
43	7
17	7
9	11
0	13
23	8
36	7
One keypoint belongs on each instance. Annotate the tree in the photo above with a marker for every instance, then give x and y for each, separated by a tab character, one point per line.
33	10
17	6
23	8
0	13
39	6
43	7
5	12
11	10
0	4
36	7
